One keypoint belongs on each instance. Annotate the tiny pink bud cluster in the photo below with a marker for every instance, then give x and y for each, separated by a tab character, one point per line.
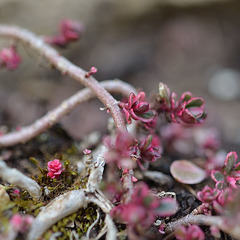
188	109
16	191
136	108
148	150
54	168
9	58
92	71
87	151
214	199
193	232
21	223
69	31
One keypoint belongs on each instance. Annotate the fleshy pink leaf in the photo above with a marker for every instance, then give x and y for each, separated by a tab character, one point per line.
147	142
230	161
186	96
187	117
164	92
186	172
195	102
217	176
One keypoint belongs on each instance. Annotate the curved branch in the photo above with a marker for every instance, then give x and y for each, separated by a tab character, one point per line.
53	116
15	177
63	206
60	207
66	67
112	230
218	221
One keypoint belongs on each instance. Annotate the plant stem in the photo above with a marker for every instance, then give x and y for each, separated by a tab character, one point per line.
219	221
66	67
14	176
55	115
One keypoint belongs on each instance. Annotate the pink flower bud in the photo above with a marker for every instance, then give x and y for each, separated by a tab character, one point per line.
87	151
9	58
69	31
16	191
134	179
207	195
21	223
136	108
54	168
92	71
16	222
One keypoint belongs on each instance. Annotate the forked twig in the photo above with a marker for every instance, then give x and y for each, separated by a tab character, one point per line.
55	115
66	67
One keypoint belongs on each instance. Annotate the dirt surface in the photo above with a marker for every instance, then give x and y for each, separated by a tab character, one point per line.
181	46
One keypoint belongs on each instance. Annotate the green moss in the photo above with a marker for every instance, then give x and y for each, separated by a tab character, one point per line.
79	221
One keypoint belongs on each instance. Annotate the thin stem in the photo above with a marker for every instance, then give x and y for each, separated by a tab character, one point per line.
127	185
55	115
14	176
220	222
66	67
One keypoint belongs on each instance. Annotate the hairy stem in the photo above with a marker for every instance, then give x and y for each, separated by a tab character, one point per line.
55	115
66	67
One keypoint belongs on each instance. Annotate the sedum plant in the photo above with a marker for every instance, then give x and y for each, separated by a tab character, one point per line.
109	192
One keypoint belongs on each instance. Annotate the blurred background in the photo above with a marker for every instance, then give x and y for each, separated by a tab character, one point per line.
191	45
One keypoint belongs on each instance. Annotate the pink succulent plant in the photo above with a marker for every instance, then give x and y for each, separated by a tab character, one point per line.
69	31
229	174
148	150
207	195
16	191
193	232
119	149
54	168
9	58
144	207
92	71
187	109
222	200
21	223
136	108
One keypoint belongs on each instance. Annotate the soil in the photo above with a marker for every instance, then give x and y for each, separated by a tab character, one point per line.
56	143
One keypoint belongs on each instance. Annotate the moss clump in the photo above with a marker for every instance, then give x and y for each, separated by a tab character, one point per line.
56	186
78	222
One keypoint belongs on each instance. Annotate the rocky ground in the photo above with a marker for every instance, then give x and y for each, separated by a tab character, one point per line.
188	46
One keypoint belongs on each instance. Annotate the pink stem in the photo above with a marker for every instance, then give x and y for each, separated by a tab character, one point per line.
53	116
226	225
66	67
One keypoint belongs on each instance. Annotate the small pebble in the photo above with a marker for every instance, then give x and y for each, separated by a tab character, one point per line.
225	84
